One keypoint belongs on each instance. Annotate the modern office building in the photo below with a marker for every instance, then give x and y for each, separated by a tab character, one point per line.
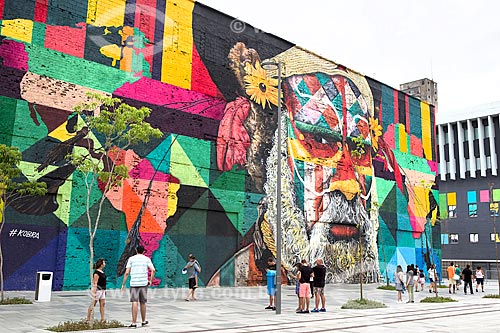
423	89
469	186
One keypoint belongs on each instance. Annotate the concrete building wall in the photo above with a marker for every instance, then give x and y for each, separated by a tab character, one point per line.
469	187
423	89
358	156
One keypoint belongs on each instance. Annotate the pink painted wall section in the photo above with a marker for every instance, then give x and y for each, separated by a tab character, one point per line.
416	146
389	136
433	165
484	195
66	39
14	54
144	170
159	93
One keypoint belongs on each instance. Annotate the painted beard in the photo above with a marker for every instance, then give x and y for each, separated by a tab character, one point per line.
335	237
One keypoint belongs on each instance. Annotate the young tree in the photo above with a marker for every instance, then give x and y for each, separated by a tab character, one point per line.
13	188
118	125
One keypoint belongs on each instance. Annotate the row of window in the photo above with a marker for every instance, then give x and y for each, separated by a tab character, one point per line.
473	238
467	164
475	130
452	210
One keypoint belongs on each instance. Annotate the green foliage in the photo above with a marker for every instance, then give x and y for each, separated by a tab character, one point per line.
83	325
385	287
119	125
360	146
362	304
491	296
439	299
15	300
111	126
10	189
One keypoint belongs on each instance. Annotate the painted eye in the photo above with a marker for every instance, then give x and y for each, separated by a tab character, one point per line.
262	87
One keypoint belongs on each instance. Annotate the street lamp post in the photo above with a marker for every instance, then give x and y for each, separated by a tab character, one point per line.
269	65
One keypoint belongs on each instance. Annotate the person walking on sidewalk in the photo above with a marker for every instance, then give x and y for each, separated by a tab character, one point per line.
193	268
467	277
421	280
432	278
137	267
458	274
319	285
410	284
479	279
451	277
415	277
98	289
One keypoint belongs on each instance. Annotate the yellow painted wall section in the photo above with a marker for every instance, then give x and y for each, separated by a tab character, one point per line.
18	29
403	139
452	199
426	130
108	13
421	201
178	43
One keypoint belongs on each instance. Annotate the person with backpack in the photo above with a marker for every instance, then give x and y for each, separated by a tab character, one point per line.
421	279
193	269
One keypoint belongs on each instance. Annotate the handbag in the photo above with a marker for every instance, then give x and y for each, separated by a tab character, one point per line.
456	277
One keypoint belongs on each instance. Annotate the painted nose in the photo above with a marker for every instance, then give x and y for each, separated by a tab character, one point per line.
344	178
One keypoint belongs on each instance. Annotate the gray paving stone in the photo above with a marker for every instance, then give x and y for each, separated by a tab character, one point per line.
231	310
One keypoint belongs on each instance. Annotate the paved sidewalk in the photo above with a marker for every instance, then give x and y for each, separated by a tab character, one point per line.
232	310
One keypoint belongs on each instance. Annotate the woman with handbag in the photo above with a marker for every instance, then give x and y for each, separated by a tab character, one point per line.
399	281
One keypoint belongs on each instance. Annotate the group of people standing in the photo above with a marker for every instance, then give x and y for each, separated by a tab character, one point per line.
456	276
409	281
138	267
415	277
142	272
310	282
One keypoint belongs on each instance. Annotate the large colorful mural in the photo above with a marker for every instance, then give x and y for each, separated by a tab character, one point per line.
358	162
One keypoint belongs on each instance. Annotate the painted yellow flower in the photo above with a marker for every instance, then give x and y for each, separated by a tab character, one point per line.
259	87
376	131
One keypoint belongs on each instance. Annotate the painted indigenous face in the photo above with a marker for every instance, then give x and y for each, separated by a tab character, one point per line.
329	144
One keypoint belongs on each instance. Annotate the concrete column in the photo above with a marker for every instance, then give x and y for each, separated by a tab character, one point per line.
451	152
482	155
493	153
461	156
442	161
472	158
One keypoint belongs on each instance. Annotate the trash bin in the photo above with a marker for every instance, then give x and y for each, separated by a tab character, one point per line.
43	289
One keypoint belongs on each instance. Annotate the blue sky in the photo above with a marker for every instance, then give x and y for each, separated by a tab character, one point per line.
454	42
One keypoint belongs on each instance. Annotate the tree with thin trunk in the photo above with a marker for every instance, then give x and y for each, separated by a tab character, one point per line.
117	126
12	188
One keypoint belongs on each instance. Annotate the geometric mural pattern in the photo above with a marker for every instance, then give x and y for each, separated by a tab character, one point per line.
208	181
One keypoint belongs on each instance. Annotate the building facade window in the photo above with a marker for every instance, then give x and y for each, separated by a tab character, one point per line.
474	238
452	212
493	209
494	237
472	210
453	238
